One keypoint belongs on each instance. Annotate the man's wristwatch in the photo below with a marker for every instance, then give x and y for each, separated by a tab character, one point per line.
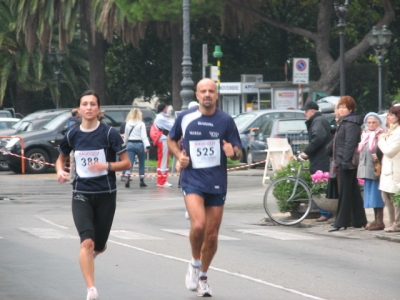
108	166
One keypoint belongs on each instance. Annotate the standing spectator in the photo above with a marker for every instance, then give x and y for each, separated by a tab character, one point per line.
209	137
319	136
94	189
350	211
389	144
136	141
74	119
122	133
164	123
368	155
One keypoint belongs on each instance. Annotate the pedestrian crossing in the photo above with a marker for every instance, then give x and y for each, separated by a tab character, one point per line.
51	233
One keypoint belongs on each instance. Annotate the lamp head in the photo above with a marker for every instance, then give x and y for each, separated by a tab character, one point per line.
217	52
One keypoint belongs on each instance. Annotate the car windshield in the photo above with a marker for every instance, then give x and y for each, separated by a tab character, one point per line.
243	119
291	125
57	121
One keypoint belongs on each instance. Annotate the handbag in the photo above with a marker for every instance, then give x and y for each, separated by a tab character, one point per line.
377	168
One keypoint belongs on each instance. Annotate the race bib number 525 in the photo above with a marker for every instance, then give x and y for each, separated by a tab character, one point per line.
205	153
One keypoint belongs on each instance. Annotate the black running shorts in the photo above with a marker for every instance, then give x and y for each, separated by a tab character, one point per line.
93	216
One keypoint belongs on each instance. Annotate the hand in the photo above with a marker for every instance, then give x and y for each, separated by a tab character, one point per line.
97	167
146	150
62	176
303	155
374	156
228	149
178	166
183	159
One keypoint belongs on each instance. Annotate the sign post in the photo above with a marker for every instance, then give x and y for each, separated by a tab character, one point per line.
301	74
205	59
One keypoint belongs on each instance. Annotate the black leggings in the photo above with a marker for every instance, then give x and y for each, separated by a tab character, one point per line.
93	216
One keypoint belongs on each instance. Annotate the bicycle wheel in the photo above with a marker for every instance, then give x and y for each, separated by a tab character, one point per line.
277	204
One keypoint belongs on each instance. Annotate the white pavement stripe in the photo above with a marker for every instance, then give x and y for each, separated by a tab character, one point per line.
130	235
51	223
48	233
185	232
275	234
221	270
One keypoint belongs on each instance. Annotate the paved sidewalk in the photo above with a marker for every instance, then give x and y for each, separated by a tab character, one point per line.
323	227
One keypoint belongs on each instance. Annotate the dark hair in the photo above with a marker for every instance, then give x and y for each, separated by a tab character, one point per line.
161	107
347	101
395	110
88	93
74	112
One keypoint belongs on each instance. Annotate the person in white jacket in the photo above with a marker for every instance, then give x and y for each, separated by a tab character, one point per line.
389	144
136	141
164	123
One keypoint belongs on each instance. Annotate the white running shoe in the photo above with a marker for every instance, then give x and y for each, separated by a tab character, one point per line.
192	277
204	288
187	215
92	294
165	185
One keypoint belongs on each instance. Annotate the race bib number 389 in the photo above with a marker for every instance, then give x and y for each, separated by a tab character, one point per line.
205	153
83	159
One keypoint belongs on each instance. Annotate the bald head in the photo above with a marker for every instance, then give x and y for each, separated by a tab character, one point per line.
206	81
206	93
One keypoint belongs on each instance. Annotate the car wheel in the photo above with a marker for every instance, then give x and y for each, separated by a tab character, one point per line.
250	159
15	169
36	167
4	166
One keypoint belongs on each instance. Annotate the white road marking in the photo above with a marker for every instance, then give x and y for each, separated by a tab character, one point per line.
279	287
185	232
275	234
48	233
51	223
130	235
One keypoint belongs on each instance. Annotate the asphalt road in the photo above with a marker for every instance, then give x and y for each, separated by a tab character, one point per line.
148	249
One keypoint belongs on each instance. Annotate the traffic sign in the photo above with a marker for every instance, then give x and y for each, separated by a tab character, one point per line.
301	70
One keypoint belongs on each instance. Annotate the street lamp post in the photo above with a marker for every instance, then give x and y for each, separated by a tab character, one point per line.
341	12
187	84
380	41
57	59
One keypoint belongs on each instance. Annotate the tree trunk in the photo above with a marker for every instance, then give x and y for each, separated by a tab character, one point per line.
177	54
23	101
97	67
96	47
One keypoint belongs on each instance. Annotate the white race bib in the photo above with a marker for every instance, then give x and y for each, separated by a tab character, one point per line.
85	158
205	153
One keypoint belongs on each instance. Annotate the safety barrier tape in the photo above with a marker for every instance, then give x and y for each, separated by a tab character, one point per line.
128	175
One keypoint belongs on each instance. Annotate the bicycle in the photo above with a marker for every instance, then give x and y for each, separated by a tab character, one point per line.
288	200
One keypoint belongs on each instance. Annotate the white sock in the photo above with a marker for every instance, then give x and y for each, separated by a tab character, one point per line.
202	274
196	263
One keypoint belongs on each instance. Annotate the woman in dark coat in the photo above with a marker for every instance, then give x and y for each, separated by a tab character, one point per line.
350	210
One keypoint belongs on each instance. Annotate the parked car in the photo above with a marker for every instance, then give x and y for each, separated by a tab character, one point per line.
43	144
6	123
7	113
254	119
294	130
31	122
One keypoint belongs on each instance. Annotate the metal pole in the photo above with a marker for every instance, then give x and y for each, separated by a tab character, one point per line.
380	59
187	84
